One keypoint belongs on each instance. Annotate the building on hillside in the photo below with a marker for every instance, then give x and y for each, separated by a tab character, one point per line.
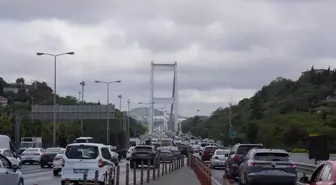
3	101
15	87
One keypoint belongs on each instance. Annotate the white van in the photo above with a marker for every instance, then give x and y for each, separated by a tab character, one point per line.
5	142
80	158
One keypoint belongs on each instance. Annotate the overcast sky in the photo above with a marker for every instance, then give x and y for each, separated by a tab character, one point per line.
225	49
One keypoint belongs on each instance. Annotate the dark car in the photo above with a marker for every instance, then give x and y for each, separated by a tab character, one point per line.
267	166
48	157
143	153
165	154
183	149
236	157
208	152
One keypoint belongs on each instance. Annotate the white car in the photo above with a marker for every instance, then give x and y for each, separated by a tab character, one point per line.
9	173
32	155
129	152
58	161
14	159
87	158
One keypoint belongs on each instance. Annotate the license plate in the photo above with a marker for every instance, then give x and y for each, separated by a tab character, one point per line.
273	171
29	158
142	155
80	171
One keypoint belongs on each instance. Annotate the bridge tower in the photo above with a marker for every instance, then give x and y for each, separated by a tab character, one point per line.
173	100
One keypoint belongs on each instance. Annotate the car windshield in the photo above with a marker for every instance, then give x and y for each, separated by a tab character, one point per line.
221	152
31	150
82	152
204	144
244	149
271	156
143	148
53	150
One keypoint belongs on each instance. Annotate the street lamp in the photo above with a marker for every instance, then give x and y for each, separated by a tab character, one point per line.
82	83
107	101
55	58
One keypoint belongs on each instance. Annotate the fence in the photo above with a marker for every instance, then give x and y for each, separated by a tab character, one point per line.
147	173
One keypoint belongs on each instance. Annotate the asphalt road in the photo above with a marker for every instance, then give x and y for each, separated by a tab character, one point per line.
34	175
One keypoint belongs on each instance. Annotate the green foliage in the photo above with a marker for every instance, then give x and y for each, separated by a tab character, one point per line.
40	93
282	114
299	150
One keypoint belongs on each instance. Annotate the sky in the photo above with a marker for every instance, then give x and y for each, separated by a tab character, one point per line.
225	50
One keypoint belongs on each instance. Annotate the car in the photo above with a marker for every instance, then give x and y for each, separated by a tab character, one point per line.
58	161
115	155
14	159
47	158
32	155
84	140
182	148
208	152
324	173
129	152
219	158
10	173
165	154
235	158
80	158
143	153
267	166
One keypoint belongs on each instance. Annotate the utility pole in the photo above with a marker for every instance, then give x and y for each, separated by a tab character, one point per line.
121	120
231	132
79	96
128	114
82	83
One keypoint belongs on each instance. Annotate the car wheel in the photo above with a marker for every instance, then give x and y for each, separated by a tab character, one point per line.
21	182
42	166
31	163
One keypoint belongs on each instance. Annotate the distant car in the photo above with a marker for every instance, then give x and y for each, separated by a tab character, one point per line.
267	166
129	152
324	173
47	158
57	163
143	153
14	159
32	155
236	157
164	154
219	158
80	158
9	173
208	152
84	140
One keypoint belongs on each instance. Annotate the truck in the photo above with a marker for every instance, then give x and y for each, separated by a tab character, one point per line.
121	141
5	142
30	142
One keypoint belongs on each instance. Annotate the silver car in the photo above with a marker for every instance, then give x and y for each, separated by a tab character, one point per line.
267	166
219	158
9	173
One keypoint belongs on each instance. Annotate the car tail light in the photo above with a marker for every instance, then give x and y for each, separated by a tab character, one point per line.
100	163
235	158
251	164
293	165
36	154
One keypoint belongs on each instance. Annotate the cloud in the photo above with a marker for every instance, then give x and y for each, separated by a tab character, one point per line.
225	50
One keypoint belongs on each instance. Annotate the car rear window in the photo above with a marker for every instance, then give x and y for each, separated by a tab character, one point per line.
204	144
244	149
143	148
222	152
32	150
271	156
209	149
53	150
82	152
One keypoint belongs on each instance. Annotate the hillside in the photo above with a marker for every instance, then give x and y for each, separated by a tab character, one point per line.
19	96
282	114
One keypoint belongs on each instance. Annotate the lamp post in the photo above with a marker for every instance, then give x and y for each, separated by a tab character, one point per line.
82	83
55	58
121	125
107	101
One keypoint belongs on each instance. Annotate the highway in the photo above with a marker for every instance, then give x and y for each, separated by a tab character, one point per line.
35	175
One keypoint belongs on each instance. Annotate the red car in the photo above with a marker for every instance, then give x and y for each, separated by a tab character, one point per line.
324	174
208	152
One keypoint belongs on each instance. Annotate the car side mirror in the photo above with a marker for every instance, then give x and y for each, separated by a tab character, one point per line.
304	180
